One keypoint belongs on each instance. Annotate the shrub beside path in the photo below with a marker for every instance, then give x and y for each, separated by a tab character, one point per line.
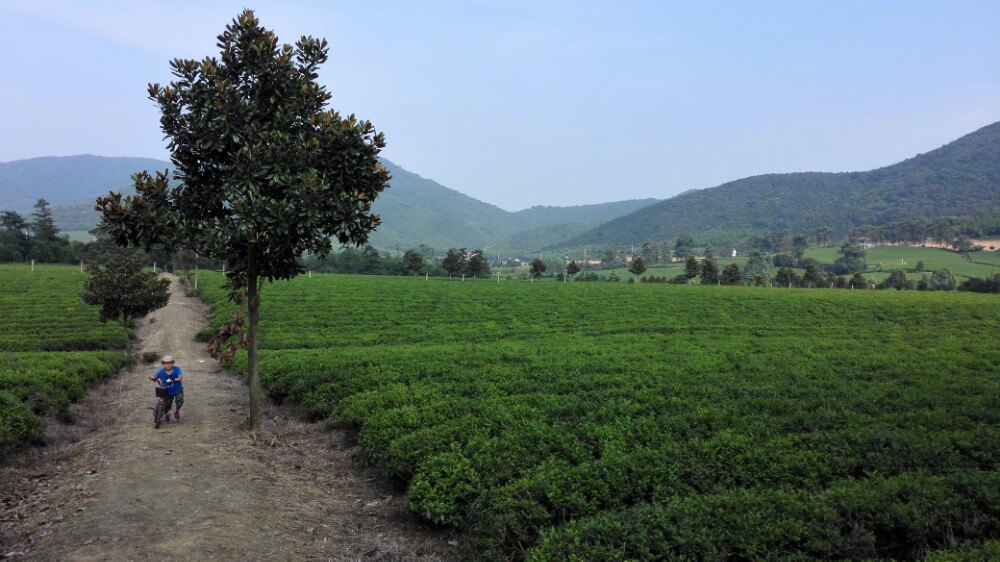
204	488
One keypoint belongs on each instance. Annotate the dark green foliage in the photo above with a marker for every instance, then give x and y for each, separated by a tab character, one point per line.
988	285
850	259
731	275
454	261
756	266
959	178
812	277
477	266
814	424
121	287
942	280
691	268
920	266
784	260
896	280
413	261
709	272
858	281
638	266
572	268
786	277
537	268
683	246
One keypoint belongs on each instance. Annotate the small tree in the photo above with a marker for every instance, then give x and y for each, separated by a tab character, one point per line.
691	268
572	268
858	281
896	280
118	284
46	245
812	277
786	277
799	246
942	280
537	268
413	261
709	273
454	261
731	275
665	254
851	259
15	224
638	266
267	171
477	265
920	266
756	266
682	247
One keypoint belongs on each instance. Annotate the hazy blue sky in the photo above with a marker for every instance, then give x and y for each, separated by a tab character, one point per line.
524	103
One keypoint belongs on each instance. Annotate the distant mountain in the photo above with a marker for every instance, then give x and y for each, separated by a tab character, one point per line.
414	210
531	240
960	178
66	179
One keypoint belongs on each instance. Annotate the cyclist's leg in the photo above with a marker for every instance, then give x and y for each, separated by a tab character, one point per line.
167	401
179	401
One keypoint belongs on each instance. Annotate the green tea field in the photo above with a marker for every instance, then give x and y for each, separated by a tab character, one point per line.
598	421
51	347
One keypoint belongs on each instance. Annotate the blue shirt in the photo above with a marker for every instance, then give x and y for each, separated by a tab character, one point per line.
173	387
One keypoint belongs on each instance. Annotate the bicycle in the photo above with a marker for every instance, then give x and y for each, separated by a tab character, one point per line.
161	403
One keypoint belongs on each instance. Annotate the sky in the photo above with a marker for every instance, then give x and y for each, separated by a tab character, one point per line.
542	102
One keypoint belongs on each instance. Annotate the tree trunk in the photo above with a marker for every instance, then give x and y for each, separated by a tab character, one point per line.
128	340
253	373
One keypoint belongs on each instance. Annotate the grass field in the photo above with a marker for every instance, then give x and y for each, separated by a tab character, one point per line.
881	260
598	421
51	347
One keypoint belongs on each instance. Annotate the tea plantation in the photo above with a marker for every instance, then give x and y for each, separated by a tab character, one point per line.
51	347
631	421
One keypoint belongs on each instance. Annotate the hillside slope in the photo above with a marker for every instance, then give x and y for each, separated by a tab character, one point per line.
414	210
66	179
960	178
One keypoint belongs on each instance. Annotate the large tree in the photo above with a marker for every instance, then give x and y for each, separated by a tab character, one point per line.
267	171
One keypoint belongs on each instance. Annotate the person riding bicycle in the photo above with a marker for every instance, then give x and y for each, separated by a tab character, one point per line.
172	379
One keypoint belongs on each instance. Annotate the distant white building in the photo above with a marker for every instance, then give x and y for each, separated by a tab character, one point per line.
865	243
734	252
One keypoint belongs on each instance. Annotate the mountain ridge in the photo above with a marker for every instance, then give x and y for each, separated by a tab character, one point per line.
415	210
959	178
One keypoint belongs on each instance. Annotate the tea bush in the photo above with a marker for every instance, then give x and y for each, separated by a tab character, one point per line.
634	421
41	320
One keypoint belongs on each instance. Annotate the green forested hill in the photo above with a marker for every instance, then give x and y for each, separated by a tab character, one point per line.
960	178
66	179
414	210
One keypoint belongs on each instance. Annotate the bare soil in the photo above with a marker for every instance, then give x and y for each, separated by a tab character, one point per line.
111	487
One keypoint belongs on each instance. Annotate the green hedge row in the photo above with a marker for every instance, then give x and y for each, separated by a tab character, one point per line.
560	421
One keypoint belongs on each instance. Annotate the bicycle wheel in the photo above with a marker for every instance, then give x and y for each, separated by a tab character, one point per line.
158	415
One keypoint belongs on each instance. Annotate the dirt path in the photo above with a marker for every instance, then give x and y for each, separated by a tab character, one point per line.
202	489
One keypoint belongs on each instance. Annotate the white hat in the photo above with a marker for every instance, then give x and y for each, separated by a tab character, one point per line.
167	359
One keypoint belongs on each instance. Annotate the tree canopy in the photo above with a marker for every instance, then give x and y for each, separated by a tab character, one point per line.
267	172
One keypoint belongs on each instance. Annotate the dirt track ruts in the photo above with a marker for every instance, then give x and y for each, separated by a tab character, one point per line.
204	488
